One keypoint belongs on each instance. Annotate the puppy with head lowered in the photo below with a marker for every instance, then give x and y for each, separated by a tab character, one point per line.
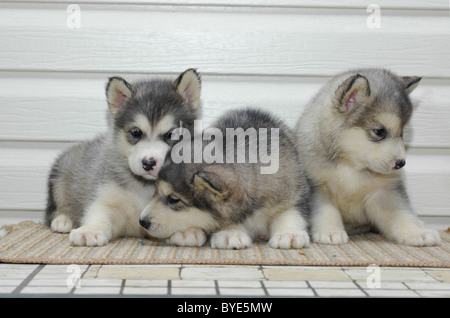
230	198
98	188
350	138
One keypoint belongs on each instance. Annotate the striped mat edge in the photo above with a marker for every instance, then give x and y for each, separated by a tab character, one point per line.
30	242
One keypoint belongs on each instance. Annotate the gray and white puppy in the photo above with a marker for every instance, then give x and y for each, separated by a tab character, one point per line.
233	199
350	139
98	188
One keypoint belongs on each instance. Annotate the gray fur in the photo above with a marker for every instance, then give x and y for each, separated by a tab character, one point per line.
250	190
78	171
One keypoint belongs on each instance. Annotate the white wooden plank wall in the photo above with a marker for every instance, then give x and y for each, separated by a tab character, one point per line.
269	53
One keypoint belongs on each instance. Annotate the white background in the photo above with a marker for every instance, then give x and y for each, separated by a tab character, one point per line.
274	54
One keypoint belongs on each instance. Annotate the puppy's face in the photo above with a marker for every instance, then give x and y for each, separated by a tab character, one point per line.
145	114
373	117
144	145
377	145
192	195
170	211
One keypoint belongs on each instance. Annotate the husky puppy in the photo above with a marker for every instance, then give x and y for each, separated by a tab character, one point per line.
350	138
97	189
234	201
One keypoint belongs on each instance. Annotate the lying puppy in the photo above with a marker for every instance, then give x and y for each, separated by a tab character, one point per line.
234	197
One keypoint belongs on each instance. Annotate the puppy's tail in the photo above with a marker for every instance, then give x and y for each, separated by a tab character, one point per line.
304	202
51	204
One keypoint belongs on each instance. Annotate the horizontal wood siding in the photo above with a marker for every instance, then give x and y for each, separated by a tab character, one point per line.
267	53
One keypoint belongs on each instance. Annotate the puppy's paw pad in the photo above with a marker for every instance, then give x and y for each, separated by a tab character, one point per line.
330	237
61	224
88	236
231	239
188	237
420	238
289	240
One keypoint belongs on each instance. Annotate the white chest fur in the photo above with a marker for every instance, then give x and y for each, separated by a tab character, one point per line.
349	190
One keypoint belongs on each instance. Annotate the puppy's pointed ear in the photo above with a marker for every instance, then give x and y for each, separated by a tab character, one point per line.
352	93
210	184
118	93
410	83
188	85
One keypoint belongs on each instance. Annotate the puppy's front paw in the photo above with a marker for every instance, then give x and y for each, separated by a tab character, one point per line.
420	237
188	237
289	240
61	224
330	237
88	236
231	239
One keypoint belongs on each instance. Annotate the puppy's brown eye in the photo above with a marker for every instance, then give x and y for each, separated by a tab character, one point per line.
172	200
167	137
380	133
136	133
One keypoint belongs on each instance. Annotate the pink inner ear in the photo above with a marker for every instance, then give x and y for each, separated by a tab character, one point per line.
187	94
351	103
121	99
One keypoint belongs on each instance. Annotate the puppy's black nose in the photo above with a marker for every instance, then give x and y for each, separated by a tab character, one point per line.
145	223
148	164
400	164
